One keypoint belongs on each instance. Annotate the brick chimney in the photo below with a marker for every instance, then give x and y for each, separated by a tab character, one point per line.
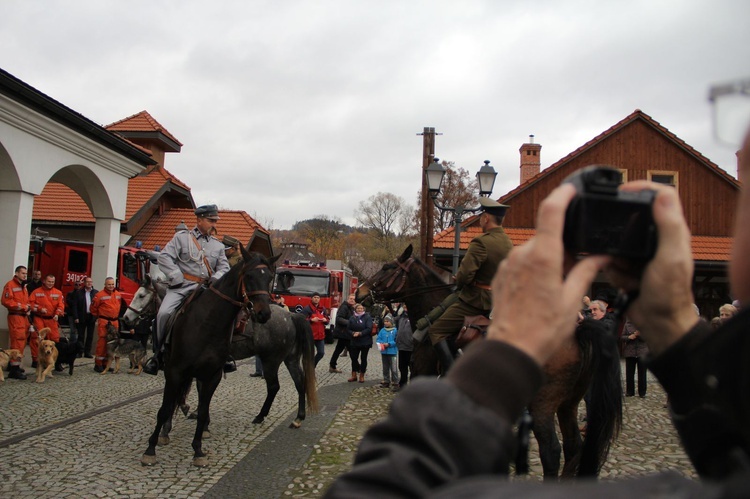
739	165
530	159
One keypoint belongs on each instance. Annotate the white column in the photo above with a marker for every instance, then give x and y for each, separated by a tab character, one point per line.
15	219
106	242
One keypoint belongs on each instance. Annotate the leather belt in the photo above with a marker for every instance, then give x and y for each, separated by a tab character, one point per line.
108	318
482	286
193	278
16	313
44	316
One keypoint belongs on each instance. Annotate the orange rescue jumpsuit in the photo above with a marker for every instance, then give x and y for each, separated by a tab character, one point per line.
16	300
47	305
106	308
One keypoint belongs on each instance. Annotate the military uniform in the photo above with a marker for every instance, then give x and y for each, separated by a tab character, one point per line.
183	261
473	280
232	245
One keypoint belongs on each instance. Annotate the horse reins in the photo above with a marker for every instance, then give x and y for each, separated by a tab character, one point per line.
402	271
242	291
155	301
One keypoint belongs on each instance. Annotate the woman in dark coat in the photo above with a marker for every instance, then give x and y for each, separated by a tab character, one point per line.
360	326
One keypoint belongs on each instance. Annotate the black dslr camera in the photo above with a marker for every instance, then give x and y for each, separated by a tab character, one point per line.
603	220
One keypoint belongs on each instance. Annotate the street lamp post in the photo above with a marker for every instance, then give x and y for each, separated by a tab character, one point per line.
435	174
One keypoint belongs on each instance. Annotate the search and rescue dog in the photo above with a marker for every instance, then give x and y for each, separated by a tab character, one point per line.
5	357
119	347
67	352
46	357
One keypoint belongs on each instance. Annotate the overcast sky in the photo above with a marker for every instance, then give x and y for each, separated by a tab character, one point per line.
292	109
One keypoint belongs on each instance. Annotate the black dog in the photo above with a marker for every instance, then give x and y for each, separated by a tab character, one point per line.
66	354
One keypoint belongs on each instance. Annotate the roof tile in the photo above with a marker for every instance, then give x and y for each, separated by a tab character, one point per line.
160	228
140	122
705	248
141	189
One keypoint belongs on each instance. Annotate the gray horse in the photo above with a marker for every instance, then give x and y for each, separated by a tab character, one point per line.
286	337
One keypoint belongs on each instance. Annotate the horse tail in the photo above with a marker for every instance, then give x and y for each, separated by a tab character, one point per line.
604	408
307	347
181	401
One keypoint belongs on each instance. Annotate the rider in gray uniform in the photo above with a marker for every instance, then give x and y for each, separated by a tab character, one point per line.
191	258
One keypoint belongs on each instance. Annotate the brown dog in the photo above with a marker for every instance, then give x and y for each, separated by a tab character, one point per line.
5	357
46	357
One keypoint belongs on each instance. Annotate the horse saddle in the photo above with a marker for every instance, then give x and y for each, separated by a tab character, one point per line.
243	327
474	328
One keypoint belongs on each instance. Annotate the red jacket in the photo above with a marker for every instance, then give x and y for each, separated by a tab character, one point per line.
15	298
319	326
106	305
46	303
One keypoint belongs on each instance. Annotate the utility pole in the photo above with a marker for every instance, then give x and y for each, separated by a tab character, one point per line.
426	210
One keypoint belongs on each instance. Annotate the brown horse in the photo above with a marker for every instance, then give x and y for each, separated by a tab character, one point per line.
588	360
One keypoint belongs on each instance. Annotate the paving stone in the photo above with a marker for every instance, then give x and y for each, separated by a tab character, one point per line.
95	449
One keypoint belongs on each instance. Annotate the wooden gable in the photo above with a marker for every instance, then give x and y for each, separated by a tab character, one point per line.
640	147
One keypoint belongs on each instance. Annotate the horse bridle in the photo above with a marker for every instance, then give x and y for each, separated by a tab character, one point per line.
401	270
153	302
246	304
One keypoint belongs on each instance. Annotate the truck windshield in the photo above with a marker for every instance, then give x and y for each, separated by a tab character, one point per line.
301	284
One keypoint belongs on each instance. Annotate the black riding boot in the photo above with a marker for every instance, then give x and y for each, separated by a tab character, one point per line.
444	355
230	366
153	364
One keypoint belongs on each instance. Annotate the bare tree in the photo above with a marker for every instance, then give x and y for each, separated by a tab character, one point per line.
388	224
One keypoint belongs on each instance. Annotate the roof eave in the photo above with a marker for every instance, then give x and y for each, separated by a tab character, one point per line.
47	106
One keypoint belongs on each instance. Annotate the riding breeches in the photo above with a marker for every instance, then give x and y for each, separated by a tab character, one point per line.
452	320
169	305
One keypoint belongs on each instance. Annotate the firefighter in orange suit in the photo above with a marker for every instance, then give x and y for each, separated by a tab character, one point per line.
16	300
47	305
106	308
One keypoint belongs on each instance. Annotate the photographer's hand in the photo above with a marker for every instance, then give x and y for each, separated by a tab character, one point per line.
535	308
663	310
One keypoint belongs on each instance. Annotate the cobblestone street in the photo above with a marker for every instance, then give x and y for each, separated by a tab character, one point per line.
84	436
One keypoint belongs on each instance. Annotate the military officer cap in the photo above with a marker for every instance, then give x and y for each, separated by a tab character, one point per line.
493	207
208	211
229	242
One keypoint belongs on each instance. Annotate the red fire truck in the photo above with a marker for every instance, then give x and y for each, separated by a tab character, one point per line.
70	261
331	280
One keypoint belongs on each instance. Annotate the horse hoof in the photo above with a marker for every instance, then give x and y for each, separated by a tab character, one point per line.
147	460
257	420
295	424
206	434
163	441
200	462
193	415
185	409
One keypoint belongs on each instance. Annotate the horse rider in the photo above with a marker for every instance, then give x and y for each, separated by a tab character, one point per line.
473	279
191	259
232	250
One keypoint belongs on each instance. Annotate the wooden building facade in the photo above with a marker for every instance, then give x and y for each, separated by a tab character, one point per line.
642	149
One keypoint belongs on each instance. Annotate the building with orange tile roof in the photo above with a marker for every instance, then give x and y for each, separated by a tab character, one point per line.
157	200
160	228
641	148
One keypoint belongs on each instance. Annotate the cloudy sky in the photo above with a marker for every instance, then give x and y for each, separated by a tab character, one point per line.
292	109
